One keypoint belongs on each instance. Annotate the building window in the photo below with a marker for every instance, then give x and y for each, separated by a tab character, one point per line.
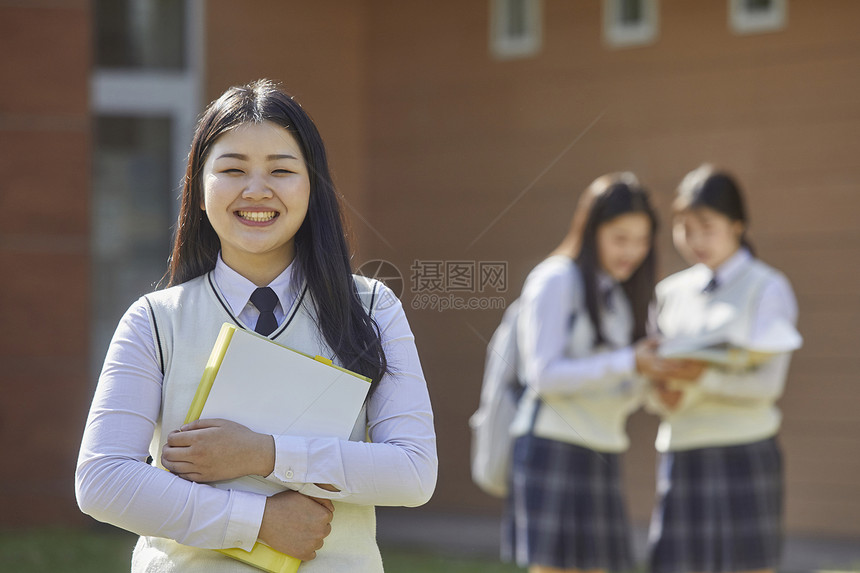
515	28
134	34
630	22
145	97
755	16
131	214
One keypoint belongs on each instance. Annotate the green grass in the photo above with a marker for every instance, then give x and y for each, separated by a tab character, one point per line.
400	561
50	550
108	550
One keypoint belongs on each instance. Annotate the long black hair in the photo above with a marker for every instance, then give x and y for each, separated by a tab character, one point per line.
708	187
608	197
322	254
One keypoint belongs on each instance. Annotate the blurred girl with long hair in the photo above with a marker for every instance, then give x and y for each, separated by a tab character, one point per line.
581	336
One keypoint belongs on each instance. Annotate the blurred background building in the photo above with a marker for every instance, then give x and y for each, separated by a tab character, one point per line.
460	133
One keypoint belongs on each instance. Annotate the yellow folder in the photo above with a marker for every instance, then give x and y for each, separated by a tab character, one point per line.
275	390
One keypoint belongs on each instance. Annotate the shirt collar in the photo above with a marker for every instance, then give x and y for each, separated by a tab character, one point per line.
605	282
729	269
237	290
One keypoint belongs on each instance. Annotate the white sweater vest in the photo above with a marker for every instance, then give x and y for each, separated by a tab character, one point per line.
593	418
186	320
705	419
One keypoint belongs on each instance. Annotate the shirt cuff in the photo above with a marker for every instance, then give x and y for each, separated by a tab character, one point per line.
313	490
291	459
246	517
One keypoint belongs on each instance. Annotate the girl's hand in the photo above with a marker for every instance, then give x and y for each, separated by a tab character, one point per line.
669	397
214	450
687	370
296	524
650	364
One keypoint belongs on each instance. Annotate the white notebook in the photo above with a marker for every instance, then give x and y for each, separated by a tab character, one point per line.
272	389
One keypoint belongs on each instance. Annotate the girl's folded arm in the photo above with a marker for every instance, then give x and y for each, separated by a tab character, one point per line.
398	466
543	332
764	382
114	484
777	303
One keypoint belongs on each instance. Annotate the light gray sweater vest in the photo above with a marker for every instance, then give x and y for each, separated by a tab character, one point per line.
593	418
707	419
186	320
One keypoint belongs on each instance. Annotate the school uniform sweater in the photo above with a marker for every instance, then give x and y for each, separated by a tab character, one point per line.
183	322
726	406
585	393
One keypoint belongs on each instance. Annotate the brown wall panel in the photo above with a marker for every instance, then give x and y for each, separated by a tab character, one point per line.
40	420
47	171
46	59
316	50
39	321
44	251
457	136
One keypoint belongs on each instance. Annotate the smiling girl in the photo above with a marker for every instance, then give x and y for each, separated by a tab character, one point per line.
581	336
259	243
719	505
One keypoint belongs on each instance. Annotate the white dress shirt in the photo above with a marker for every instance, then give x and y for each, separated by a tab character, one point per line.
114	485
725	406
548	302
585	393
776	303
237	291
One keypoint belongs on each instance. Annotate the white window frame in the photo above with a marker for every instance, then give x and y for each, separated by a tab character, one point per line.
617	34
162	93
743	21
177	95
505	47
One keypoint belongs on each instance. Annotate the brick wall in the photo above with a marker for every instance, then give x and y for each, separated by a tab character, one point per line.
44	256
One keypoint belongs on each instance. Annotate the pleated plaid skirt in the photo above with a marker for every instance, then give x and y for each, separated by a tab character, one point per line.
566	508
718	509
